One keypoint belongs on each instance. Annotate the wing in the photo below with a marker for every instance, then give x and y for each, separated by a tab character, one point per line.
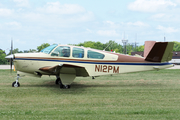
54	70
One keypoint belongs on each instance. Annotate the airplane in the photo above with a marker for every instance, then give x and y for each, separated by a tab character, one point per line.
67	62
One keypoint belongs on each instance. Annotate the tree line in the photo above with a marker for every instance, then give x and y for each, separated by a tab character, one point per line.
112	46
3	61
108	46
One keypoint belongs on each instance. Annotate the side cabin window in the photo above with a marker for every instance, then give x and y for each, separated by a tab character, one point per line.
95	55
61	51
78	52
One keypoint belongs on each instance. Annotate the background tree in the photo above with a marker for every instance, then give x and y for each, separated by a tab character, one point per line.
129	48
140	48
2	57
91	44
176	46
32	51
42	46
111	45
14	51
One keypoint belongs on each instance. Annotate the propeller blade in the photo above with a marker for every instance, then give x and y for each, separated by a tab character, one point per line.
11	60
11	57
11	64
11	46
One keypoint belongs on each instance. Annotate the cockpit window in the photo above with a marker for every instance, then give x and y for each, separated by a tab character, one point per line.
61	51
95	55
49	49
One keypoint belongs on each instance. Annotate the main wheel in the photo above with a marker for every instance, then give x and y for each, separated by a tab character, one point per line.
61	86
64	86
14	84
68	86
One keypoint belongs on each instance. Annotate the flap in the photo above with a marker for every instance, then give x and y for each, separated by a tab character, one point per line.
57	67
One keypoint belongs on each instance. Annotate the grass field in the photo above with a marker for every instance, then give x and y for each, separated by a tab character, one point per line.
144	95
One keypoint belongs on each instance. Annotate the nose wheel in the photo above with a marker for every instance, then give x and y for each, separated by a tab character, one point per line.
16	83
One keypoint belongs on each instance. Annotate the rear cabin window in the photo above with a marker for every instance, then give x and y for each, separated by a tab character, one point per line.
95	55
78	53
61	51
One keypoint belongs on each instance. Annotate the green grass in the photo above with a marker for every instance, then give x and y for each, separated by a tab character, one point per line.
143	95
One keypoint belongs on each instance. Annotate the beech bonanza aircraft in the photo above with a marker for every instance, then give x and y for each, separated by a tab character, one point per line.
68	62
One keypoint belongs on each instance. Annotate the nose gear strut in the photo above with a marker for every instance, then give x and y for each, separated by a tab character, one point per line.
16	83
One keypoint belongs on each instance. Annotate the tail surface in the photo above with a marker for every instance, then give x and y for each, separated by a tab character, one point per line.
158	51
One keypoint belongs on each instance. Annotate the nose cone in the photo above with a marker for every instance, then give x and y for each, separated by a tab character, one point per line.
10	56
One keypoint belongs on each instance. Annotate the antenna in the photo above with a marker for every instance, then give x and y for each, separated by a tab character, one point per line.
108	46
164	38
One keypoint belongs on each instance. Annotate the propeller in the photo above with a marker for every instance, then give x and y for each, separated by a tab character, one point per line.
11	61
11	57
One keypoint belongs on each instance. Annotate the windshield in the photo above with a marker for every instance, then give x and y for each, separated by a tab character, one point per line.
49	49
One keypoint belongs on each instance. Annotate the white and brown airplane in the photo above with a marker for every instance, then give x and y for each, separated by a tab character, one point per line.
68	62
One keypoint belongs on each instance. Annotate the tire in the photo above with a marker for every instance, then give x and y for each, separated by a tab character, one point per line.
69	86
15	85
61	86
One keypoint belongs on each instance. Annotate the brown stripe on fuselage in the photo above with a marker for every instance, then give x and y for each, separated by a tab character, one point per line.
121	58
130	59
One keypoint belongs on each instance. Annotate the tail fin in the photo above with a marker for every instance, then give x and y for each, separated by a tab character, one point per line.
158	51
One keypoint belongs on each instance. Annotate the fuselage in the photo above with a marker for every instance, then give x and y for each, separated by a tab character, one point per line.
95	62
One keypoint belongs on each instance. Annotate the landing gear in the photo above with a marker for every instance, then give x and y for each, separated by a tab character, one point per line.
59	82
16	83
65	86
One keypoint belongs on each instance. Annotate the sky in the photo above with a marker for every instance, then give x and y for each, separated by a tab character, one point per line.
30	23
